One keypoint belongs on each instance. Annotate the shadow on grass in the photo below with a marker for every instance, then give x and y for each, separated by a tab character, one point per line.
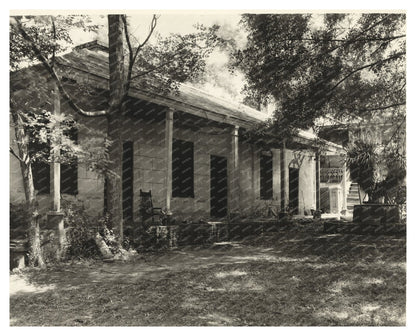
276	280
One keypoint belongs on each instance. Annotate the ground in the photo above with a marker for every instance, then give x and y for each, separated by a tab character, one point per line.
279	279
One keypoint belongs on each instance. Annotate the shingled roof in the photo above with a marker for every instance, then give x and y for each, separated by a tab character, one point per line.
92	59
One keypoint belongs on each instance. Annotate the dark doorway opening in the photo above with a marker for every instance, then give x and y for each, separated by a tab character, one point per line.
294	190
127	181
218	190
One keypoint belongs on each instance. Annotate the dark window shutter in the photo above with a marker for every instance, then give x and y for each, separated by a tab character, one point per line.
182	168
69	171
266	177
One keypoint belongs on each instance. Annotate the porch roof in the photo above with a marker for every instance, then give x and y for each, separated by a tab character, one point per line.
189	99
91	61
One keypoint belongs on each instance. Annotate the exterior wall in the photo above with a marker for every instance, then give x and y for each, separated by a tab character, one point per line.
305	162
150	167
149	160
250	201
209	140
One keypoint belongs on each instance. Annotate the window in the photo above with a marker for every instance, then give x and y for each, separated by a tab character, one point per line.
266	176
182	168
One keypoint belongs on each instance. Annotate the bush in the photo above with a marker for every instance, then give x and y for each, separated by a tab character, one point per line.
80	231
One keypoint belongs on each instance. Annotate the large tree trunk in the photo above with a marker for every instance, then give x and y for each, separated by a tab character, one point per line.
35	251
114	119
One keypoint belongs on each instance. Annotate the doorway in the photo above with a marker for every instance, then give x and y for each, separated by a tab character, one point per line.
218	189
294	190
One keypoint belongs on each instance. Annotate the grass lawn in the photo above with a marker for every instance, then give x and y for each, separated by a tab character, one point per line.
280	279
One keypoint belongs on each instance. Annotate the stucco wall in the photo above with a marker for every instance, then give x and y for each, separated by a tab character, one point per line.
149	168
305	162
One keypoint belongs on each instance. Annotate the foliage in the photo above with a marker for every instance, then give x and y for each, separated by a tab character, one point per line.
380	175
344	65
50	33
80	230
161	65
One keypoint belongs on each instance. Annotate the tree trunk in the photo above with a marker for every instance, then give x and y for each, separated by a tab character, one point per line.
35	251
114	120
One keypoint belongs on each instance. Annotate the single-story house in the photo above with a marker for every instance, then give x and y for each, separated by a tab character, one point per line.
189	150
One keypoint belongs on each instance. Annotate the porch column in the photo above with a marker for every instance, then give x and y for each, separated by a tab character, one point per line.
55	217
318	180
168	144
56	166
344	187
276	176
234	189
284	178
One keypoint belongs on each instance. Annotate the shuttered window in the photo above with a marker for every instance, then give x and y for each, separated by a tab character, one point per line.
182	168
266	176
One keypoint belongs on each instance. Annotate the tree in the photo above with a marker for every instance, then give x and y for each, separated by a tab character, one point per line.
171	60
39	133
350	67
343	65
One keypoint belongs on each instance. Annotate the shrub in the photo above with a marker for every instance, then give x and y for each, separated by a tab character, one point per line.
80	231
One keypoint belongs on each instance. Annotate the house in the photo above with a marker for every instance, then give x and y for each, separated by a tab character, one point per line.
189	149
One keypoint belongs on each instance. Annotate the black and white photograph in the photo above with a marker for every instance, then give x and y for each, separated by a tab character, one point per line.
207	168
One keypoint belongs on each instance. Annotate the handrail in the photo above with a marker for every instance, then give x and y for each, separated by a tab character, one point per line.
331	175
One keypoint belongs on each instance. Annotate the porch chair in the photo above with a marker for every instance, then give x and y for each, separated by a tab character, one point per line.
147	210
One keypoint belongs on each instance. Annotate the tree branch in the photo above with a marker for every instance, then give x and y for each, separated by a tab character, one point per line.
349	41
144	73
382	107
152	28
397	55
54	75
11	150
133	55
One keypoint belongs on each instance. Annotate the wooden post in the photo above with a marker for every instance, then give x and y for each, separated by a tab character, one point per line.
55	217
344	187
276	176
234	190
318	181
253	175
56	166
168	144
284	178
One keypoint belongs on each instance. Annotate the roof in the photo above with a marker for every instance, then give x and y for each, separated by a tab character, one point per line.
92	59
95	62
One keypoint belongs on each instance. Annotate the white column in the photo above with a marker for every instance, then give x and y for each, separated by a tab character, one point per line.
55	217
318	181
234	189
276	176
284	175
344	186
56	166
168	144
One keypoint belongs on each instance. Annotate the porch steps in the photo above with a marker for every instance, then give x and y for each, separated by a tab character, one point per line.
353	197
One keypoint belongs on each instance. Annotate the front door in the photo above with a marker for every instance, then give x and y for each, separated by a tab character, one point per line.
218	190
294	190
